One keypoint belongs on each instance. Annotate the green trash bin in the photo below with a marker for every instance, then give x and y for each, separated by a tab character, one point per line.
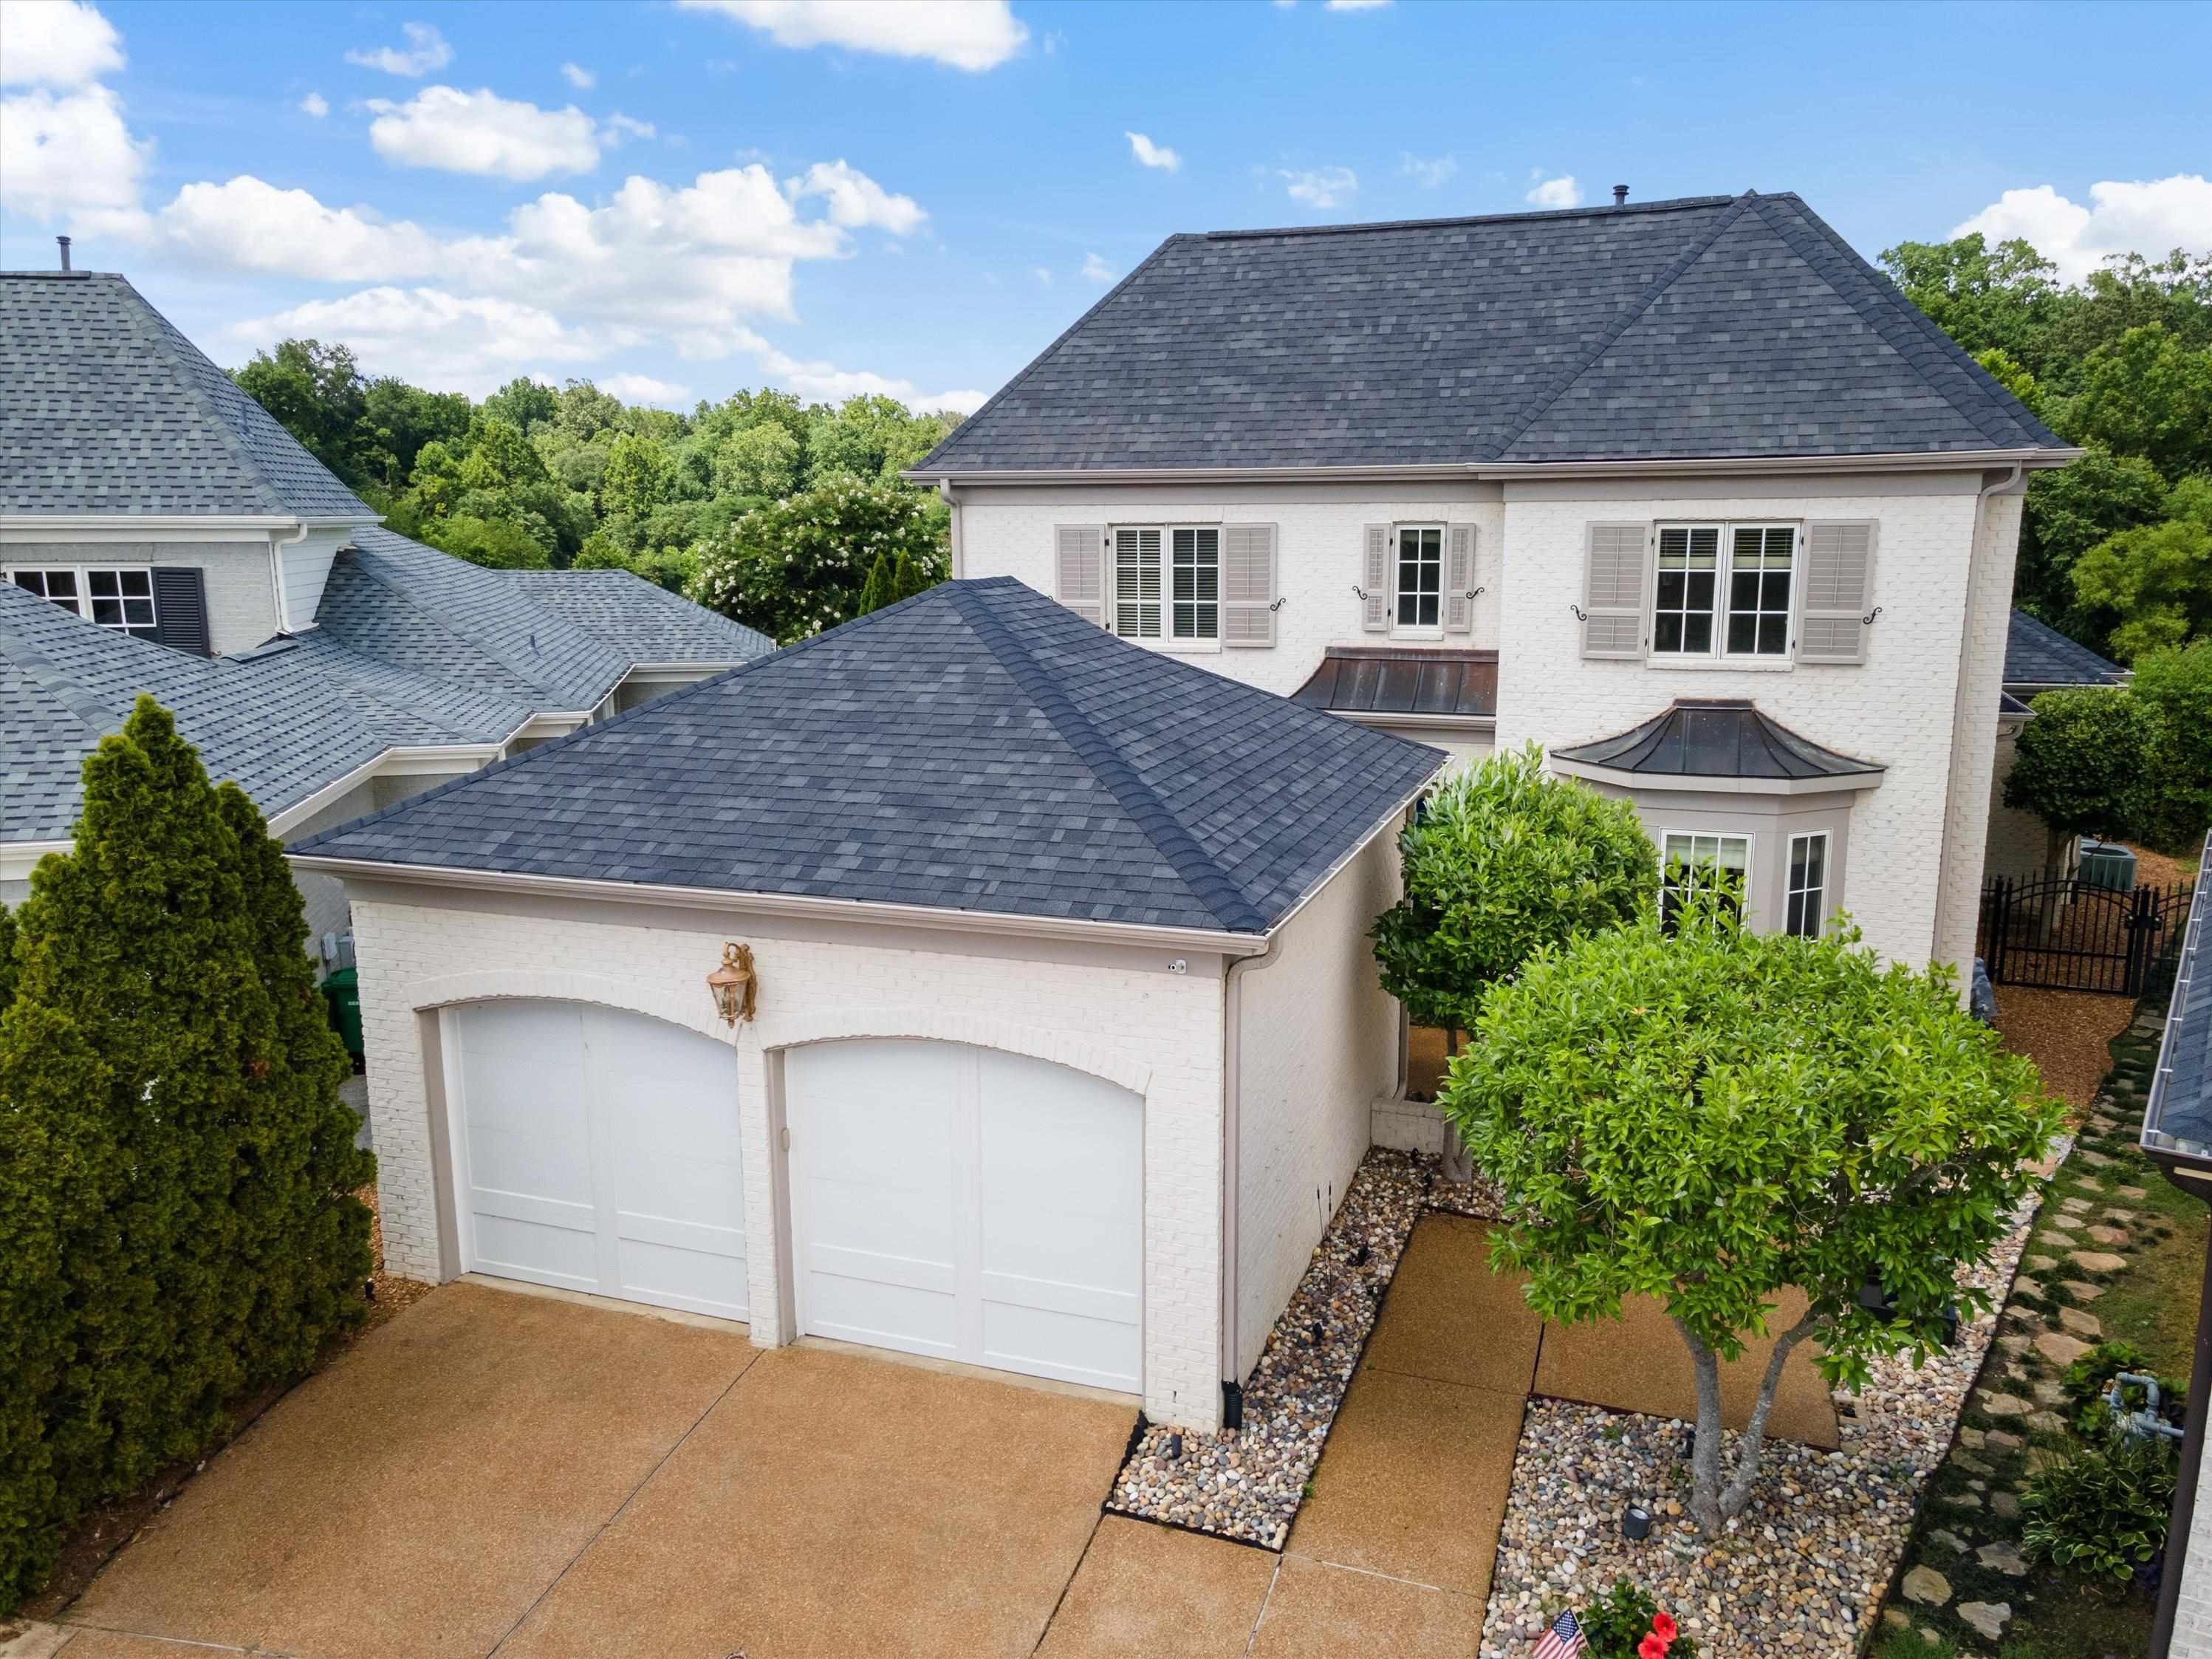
2104	864
342	991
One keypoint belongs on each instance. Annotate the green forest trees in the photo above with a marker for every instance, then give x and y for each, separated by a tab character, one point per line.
177	1173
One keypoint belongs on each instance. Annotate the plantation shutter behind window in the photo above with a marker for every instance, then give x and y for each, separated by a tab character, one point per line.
1248	585
1459	579
1614	585
1375	612
181	619
1839	590
1079	560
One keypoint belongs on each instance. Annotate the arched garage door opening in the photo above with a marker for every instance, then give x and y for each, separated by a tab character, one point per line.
596	1149
969	1204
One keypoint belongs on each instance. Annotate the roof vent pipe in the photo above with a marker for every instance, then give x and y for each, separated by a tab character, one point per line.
1620	196
64	240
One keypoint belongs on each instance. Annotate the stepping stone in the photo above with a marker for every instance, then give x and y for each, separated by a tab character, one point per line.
2073	1203
1966	1460
2081	1324
2082	1290
1972	1439
2025	1286
2116	1237
2119	1217
2042	1264
2047	1422
2059	1349
2049	1393
2086	1185
1949	1539
2005	1405
2135	1193
2003	1556
2095	1160
2099	1262
1896	1618
1930	1587
1987	1616
1998	1440
2015	1341
2004	1504
1963	1500
2059	1241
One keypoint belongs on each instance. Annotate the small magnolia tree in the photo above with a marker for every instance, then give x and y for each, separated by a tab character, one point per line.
798	566
1503	858
1714	1117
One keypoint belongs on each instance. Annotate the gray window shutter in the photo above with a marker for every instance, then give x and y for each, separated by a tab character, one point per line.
1079	561
1614	562
181	619
1459	579
1375	611
1839	590
1248	584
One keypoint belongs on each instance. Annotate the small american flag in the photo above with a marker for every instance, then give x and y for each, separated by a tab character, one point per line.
1563	1641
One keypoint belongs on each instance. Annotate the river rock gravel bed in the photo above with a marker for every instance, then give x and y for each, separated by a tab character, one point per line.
1801	1571
1247	1484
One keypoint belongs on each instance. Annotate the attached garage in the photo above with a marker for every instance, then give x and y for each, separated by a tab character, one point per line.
1054	1037
970	1204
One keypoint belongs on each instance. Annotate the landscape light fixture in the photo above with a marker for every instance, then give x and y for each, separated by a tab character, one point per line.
734	984
1636	1523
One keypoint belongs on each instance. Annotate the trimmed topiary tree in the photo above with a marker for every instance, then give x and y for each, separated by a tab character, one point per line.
176	1222
1713	1117
1503	858
2080	763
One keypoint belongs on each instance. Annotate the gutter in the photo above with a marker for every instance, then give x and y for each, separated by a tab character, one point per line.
35	524
1913	461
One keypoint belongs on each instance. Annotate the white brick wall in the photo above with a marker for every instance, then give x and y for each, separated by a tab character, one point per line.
1120	1013
1318	1042
1899	708
241	584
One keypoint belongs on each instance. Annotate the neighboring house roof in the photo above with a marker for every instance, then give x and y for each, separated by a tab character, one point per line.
104	408
1716	737
1383	680
976	748
2039	655
416	649
2177	1115
1711	326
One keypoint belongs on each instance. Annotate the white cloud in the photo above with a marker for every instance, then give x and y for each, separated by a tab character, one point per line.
830	384
425	50
481	132
56	43
246	224
644	389
445	342
68	154
1151	154
579	77
855	200
1429	174
1097	269
1323	187
620	130
2151	217
967	34
1356	5
1043	276
1561	192
316	105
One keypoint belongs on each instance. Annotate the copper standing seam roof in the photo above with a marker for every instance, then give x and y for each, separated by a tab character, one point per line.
1459	685
1716	737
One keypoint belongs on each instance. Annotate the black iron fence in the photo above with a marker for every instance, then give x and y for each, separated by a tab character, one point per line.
2065	930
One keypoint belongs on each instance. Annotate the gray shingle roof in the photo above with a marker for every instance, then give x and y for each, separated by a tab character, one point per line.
415	649
106	408
977	747
1716	737
2177	1115
2037	653
1707	327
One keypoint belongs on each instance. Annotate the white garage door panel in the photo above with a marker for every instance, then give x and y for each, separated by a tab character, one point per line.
970	1204
599	1151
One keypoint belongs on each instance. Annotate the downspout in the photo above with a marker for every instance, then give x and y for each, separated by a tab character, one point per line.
1946	873
952	507
277	545
1232	1036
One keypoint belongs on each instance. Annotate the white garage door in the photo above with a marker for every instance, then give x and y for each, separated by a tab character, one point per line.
597	1151
970	1204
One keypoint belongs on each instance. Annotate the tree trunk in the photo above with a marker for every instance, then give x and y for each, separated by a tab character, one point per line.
2054	858
1705	1459
1737	1498
1459	1164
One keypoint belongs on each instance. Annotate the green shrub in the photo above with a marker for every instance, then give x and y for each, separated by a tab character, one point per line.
176	1171
2100	1513
1617	1624
2085	1379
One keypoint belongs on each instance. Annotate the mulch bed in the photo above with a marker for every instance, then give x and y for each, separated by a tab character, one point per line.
2068	1034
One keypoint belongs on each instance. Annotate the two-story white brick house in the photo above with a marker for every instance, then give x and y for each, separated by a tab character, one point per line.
1686	475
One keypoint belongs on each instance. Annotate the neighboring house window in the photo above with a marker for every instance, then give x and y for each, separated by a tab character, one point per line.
1704	864
1724	590
1419	578
121	598
1191	609
1806	906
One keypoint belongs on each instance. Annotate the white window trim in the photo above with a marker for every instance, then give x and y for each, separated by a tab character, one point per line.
83	573
1748	837
1166	639
1827	889
1720	657
1414	630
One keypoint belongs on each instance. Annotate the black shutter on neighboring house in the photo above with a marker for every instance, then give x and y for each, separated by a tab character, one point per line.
180	608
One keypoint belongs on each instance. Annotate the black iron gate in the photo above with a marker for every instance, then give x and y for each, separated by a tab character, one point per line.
2063	933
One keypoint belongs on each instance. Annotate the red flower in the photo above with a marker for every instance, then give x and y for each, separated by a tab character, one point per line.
1664	1627
1651	1647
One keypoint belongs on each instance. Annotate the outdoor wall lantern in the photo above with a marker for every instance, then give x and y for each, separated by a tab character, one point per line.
734	984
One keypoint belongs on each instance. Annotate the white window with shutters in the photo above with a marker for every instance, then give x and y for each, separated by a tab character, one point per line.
1724	591
1739	595
1164	584
118	597
1418	579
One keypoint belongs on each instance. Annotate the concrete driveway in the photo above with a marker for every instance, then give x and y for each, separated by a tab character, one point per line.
500	1472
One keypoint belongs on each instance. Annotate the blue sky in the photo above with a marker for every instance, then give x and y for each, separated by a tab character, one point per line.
678	199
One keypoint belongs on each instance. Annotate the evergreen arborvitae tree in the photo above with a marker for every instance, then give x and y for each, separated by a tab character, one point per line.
876	591
159	1147
7	957
907	579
